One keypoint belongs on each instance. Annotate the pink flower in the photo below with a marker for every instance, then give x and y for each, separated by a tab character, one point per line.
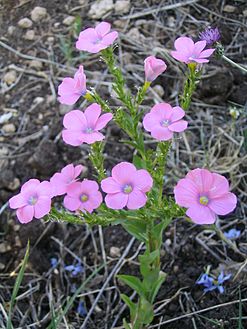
61	181
71	89
163	120
34	200
83	196
188	52
83	127
206	195
94	40
153	68
126	187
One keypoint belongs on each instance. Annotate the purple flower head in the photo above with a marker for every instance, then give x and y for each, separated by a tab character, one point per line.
211	284
81	309
74	269
232	234
210	35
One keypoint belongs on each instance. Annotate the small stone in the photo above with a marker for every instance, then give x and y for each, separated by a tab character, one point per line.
245	13
8	128
83	2
50	39
135	35
38	13
36	64
229	9
29	35
159	90
3	247
115	252
10	77
12	186
122	6
17	227
3	151
69	20
175	268
25	23
2	266
17	241
168	242
119	24
171	21
11	30
100	8
56	25
38	100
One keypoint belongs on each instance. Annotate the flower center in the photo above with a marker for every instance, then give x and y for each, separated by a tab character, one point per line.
32	200
89	130
203	200
83	198
127	189
165	123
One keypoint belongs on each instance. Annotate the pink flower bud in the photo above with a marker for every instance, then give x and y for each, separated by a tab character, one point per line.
153	68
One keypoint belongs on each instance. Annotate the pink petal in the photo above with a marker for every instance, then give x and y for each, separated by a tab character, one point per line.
179	56
93	202
71	203
75	120
92	114
69	99
224	204
42	207
219	187
184	45
92	137
103	28
123	172
116	201
199	46
44	189
162	133
77	171
30	185
143	180
202	178
67	87
25	214
109	185
59	184
109	38
137	199
74	190
177	114
17	201
89	186
68	172
206	53
201	214
200	60
103	120
73	138
150	122
162	111
186	193
178	126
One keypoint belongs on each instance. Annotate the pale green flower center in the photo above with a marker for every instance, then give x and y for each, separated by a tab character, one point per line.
203	200
127	189
83	198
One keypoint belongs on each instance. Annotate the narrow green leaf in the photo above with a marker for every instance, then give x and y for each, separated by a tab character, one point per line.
126	325
17	286
134	283
157	285
132	306
137	228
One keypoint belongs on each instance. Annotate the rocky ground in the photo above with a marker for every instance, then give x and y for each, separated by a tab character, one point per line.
37	51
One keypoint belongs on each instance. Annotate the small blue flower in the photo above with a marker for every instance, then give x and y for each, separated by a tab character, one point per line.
212	284
53	262
232	234
81	309
210	35
74	269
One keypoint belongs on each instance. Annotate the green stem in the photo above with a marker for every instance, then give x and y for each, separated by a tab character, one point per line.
189	86
242	68
97	158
